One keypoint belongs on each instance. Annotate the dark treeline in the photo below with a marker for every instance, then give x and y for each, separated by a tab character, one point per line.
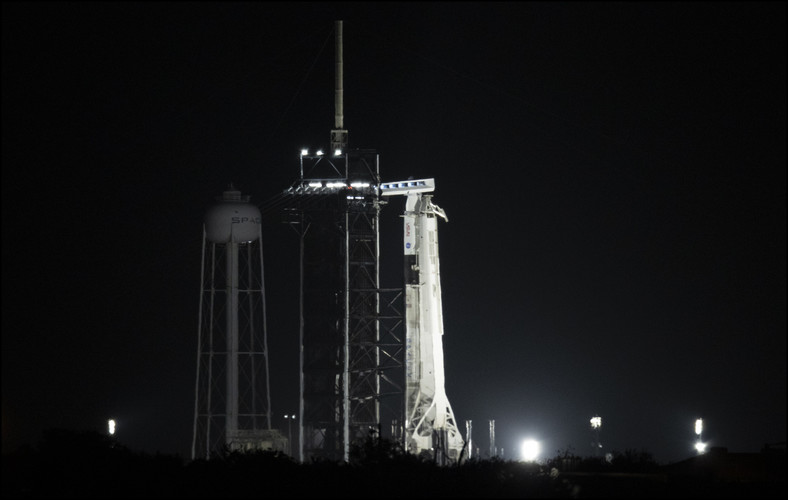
70	464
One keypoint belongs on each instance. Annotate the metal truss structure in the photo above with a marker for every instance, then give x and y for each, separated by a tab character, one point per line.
351	356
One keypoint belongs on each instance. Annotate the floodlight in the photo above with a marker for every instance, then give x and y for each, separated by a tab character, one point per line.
698	426
319	152
596	422
304	152
111	424
700	447
530	450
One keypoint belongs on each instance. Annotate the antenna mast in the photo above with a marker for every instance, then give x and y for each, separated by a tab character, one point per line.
339	134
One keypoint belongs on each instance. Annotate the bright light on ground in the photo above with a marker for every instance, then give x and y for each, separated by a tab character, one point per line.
700	447
111	424
698	426
530	450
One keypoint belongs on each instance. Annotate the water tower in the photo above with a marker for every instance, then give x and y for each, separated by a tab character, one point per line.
232	408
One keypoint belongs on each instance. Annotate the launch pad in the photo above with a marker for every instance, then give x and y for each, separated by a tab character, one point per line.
364	359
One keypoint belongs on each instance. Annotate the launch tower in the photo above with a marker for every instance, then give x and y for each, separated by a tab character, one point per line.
349	351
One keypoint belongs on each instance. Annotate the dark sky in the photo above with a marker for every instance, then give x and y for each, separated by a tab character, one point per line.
613	173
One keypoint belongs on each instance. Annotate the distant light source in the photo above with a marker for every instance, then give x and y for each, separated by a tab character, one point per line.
319	152
596	422
337	152
290	419
304	152
111	424
700	446
530	450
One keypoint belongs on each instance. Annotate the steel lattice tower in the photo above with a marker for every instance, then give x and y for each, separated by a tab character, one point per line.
351	356
351	359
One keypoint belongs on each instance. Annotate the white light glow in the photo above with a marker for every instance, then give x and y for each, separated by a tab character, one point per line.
700	447
111	424
698	426
337	152
530	450
319	152
315	184
304	152
596	422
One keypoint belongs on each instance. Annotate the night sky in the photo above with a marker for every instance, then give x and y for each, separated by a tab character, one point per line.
614	176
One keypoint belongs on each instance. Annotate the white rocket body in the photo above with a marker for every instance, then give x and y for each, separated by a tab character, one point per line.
430	425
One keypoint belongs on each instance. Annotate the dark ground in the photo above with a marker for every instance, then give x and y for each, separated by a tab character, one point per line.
68	464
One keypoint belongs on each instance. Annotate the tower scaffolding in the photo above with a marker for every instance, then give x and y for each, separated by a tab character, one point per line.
350	352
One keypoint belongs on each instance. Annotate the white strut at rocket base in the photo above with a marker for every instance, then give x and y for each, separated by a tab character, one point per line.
430	425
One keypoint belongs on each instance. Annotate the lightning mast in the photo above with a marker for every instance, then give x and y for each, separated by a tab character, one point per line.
430	426
338	134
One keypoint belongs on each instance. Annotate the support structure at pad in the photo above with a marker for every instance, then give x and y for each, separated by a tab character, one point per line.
350	352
